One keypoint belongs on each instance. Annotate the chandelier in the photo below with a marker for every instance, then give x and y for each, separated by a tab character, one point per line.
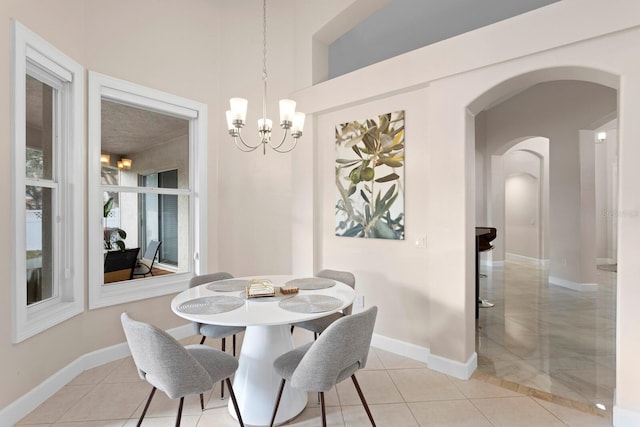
290	120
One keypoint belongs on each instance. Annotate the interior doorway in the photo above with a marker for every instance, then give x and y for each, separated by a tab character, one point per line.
544	331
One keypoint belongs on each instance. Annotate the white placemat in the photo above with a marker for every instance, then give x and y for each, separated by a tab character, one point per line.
211	305
311	283
228	285
310	303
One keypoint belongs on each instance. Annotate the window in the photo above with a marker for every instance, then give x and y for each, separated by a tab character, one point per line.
147	182
48	193
160	215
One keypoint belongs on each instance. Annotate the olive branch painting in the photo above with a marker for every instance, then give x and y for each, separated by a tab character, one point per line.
370	177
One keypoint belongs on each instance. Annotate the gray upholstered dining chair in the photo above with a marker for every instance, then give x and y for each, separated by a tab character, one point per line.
174	369
317	326
335	356
215	331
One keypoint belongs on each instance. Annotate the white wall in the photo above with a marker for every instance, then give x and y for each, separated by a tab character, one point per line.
606	161
461	77
537	151
557	110
389	273
521	218
449	82
161	45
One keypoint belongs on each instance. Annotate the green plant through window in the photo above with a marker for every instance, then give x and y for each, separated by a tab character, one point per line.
369	177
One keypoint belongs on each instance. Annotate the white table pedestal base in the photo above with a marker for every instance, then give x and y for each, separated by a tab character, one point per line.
256	378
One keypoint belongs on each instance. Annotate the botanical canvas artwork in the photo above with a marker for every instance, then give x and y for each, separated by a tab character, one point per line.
370	177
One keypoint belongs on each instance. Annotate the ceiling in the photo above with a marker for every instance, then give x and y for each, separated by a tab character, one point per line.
126	130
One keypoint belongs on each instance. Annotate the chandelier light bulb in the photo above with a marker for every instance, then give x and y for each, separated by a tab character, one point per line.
287	111
298	122
239	108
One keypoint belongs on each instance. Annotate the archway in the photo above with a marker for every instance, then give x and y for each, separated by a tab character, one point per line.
564	106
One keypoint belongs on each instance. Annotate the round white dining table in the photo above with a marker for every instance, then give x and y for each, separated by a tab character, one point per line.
267	336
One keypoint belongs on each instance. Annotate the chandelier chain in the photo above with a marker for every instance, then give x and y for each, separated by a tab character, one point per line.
264	59
264	39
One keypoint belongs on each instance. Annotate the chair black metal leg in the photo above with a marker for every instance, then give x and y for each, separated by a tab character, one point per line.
235	402
362	399
315	336
234	345
202	340
292	328
179	417
324	414
201	401
224	344
275	408
144	411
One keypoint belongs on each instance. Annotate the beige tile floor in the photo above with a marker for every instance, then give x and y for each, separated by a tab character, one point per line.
549	338
400	391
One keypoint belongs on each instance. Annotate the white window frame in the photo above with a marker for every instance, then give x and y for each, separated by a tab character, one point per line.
109	88
32	54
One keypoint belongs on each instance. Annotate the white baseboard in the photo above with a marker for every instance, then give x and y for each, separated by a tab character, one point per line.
15	411
491	263
526	260
459	370
401	348
625	418
423	354
575	286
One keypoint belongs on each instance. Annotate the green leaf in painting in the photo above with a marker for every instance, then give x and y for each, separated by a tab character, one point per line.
353	231
364	196
390	177
382	230
356	150
392	163
389	192
347	162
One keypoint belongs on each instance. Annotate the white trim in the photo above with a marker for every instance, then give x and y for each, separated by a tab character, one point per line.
116	90
490	263
605	261
538	262
21	407
31	52
401	348
423	354
456	369
575	286
625	417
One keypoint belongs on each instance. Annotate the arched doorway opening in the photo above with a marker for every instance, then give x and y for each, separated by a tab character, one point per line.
541	332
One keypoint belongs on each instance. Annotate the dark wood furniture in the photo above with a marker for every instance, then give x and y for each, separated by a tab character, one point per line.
119	265
484	237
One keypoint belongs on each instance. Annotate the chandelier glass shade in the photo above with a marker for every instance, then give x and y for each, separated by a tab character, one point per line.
291	122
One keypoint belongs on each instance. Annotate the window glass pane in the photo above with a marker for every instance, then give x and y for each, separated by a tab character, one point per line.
141	142
40	129
144	219
109	175
39	244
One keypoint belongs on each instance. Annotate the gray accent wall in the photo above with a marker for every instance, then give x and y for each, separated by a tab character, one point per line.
405	25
